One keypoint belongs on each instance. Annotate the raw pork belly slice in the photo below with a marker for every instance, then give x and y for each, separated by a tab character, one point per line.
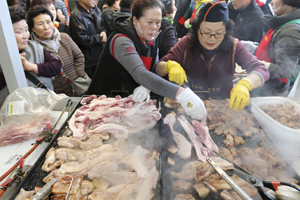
201	151
116	130
134	117
203	132
16	133
185	148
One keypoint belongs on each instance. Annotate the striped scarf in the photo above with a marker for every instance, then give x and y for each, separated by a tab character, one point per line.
52	44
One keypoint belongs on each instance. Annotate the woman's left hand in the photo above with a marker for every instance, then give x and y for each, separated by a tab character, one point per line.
239	95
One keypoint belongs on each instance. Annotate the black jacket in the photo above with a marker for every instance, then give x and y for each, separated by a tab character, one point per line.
248	25
85	31
110	77
167	38
107	20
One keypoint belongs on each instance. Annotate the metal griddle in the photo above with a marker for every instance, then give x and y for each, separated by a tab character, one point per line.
168	193
148	140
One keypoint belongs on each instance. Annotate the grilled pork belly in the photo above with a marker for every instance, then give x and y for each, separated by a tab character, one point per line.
121	177
63	184
184	197
202	190
102	168
187	172
184	147
86	187
144	191
68	142
182	185
24	194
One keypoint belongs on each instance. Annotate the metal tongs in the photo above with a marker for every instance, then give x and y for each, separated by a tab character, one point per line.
232	184
45	191
258	184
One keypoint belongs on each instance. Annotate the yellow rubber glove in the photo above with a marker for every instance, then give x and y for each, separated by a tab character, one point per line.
239	95
176	72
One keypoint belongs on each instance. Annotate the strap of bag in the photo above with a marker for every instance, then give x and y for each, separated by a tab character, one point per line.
235	42
35	81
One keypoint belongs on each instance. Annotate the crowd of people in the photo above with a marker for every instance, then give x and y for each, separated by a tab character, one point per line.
186	50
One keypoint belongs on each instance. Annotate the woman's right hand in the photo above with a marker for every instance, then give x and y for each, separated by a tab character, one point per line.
28	66
192	104
176	72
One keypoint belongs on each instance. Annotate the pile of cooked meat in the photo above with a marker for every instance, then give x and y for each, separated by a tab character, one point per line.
285	113
99	156
231	128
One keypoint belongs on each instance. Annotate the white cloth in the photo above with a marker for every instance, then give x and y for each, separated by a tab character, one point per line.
141	94
192	105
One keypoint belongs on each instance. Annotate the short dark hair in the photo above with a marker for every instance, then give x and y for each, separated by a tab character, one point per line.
110	2
41	3
293	3
168	9
35	11
225	45
126	3
140	6
17	14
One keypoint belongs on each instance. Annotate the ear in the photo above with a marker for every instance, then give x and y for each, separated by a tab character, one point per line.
134	20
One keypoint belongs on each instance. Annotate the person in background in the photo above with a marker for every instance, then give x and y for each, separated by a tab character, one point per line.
86	31
266	10
35	59
208	56
60	45
184	11
61	6
12	3
126	64
109	9
124	12
167	37
62	27
248	25
280	47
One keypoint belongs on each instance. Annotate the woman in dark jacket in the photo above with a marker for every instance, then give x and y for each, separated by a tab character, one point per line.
129	57
108	10
167	37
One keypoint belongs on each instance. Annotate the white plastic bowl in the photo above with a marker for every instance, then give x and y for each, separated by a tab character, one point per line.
287	140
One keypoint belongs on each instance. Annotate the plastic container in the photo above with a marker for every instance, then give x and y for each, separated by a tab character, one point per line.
287	140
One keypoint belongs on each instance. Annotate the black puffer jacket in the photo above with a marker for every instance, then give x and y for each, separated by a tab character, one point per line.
85	31
167	38
248	23
107	21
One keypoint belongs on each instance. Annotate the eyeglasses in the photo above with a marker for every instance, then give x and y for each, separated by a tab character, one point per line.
218	36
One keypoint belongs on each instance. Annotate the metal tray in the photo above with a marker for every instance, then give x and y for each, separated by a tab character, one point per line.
35	176
168	192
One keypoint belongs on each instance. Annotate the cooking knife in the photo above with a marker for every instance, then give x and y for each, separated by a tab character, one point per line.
45	191
232	184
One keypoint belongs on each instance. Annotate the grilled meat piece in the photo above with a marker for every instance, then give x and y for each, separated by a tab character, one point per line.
202	190
182	185
226	195
121	177
86	187
184	197
187	172
225	152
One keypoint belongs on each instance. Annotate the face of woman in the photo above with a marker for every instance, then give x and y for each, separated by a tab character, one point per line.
43	26
211	34
148	25
278	7
21	34
52	9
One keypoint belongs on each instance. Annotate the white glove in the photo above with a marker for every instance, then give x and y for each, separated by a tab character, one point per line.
250	46
192	105
267	64
141	94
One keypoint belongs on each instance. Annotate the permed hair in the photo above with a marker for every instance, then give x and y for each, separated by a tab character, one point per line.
225	45
140	6
17	14
34	12
41	3
168	9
